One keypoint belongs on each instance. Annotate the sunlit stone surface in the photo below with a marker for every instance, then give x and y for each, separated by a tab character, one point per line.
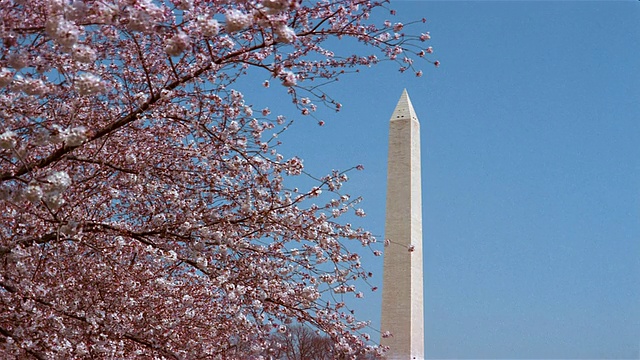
402	305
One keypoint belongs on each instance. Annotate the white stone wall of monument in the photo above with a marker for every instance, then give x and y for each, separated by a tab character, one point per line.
402	297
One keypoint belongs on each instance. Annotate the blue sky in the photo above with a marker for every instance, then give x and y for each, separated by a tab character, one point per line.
531	174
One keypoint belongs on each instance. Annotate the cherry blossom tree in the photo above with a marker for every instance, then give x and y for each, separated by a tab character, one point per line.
143	205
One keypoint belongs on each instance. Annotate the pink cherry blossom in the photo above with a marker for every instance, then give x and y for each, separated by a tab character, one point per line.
6	76
89	84
177	44
207	26
31	86
237	20
289	79
17	60
8	139
83	53
285	34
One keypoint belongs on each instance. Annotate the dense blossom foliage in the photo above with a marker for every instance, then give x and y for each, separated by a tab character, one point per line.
143	210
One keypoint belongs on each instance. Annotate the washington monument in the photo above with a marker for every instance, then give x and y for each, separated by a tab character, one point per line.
402	308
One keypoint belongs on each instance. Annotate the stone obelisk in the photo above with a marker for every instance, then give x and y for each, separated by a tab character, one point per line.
402	305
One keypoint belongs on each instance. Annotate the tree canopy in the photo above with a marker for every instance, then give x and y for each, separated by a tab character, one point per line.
143	209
